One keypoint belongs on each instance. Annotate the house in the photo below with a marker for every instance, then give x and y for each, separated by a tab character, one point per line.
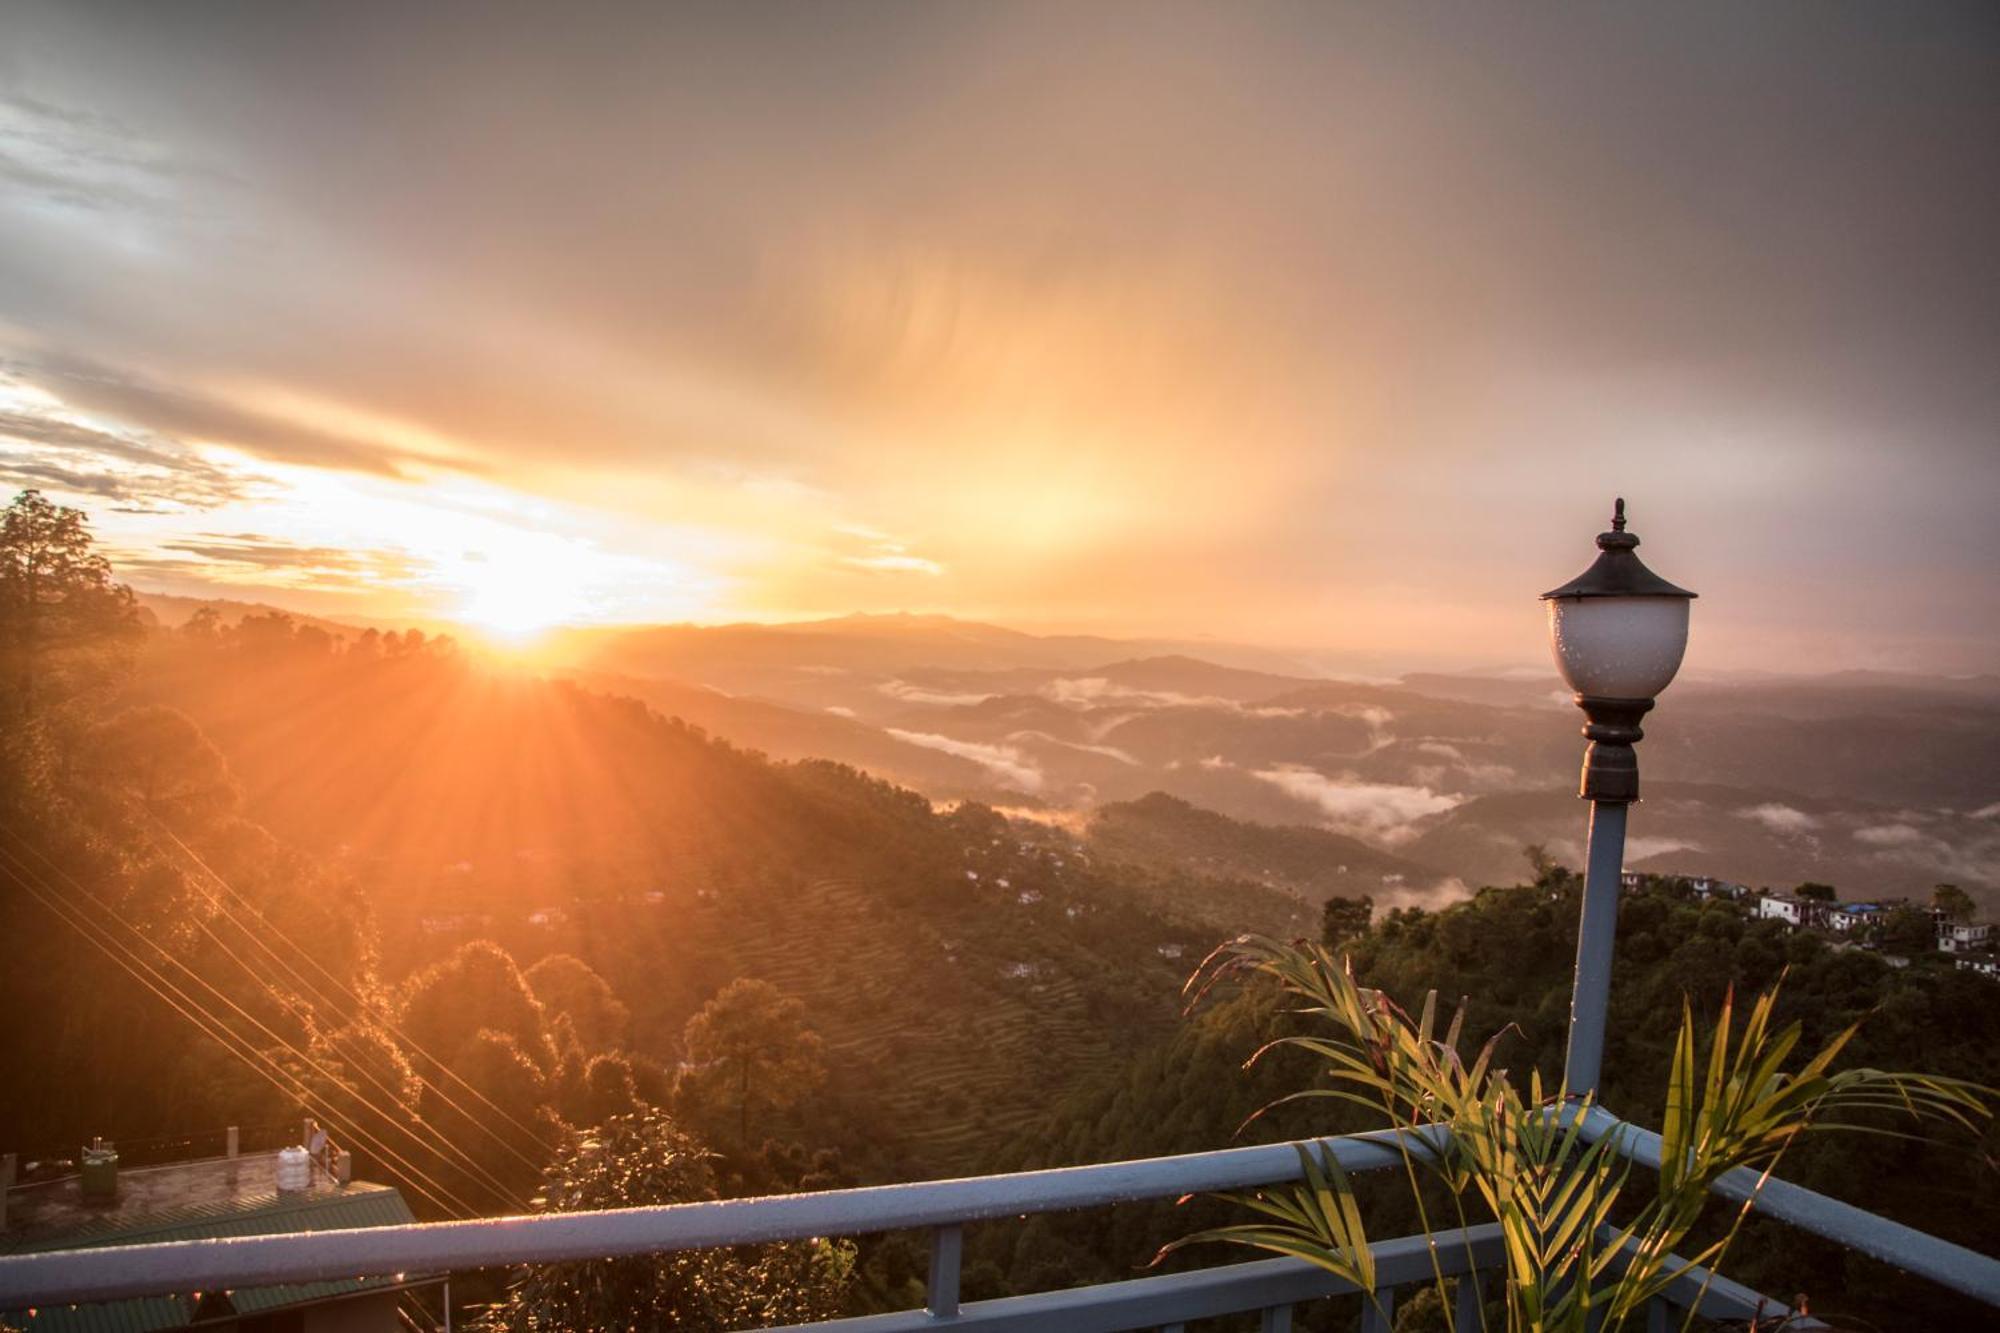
1985	964
1792	910
1631	881
201	1200
1705	887
1960	936
1850	917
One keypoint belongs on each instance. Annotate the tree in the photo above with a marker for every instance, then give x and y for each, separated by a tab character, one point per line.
568	987
1906	930
499	1114
1344	918
163	761
478	988
63	618
648	1159
1954	902
1549	872
1824	893
749	1048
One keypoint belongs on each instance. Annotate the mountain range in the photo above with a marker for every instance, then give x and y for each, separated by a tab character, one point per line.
1879	783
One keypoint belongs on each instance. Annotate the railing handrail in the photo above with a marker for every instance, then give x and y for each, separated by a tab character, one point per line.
1949	1265
114	1272
117	1272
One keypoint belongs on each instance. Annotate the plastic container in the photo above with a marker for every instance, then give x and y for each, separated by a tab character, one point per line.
294	1170
100	1173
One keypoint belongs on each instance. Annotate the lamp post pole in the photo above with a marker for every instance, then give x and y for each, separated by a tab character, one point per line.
1619	631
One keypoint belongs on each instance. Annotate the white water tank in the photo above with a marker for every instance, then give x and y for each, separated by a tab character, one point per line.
294	1170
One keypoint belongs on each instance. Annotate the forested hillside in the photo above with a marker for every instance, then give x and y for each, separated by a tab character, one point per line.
956	968
1506	957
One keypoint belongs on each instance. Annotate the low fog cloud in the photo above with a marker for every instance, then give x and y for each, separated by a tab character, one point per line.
1006	762
1372	809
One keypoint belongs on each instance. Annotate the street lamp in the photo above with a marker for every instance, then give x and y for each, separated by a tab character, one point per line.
1618	630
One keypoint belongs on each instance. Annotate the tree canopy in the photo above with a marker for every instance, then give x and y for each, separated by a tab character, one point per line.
749	1050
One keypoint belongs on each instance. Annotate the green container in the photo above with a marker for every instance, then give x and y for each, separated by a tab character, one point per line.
100	1173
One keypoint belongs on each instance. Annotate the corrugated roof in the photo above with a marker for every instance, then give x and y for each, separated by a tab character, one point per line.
357	1205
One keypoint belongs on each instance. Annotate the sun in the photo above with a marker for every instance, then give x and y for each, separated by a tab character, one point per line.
519	588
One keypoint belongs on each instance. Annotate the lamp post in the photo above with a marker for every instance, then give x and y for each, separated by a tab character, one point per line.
1618	630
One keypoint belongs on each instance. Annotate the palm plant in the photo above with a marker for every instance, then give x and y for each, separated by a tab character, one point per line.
1585	1247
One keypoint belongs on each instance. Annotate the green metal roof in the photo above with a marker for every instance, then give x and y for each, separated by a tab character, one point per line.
358	1205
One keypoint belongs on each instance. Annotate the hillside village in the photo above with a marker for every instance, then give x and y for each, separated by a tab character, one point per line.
1896	929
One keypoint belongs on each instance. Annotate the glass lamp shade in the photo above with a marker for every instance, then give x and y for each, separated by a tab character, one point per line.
1618	647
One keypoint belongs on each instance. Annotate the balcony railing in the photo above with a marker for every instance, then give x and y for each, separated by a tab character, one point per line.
1270	1288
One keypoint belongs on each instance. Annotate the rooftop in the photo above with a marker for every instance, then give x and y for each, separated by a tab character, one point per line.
172	1202
189	1201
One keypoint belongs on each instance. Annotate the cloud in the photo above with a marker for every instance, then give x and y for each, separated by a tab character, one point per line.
1640	847
42	446
880	553
918	694
74	159
285	427
1781	818
1108	751
1375	809
1093	691
1494	775
1892	835
1004	761
223	555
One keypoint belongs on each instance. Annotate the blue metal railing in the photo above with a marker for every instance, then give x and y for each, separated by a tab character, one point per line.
1268	1287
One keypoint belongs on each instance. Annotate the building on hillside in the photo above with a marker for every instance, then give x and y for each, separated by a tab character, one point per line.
105	1205
1790	909
1985	964
1850	917
1705	887
1963	936
1631	881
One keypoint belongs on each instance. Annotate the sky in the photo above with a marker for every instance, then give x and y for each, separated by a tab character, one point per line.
1334	327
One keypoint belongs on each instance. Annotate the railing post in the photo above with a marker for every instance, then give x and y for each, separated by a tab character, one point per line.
6	1183
1276	1319
1595	937
1378	1312
1468	1312
234	1141
947	1248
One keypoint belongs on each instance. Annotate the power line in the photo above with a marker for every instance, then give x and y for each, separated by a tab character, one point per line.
234	1042
444	1141
363	1003
213	1026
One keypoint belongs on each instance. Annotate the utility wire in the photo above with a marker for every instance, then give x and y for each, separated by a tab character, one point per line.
196	1012
444	1145
231	1041
363	1003
234	1042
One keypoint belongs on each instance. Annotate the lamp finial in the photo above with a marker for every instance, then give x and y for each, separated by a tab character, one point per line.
1618	515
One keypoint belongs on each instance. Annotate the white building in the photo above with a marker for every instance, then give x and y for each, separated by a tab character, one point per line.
1784	907
1985	964
1959	936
